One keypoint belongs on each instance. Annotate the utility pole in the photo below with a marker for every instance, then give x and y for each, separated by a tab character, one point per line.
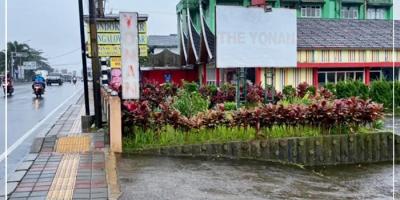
100	8
84	63
95	63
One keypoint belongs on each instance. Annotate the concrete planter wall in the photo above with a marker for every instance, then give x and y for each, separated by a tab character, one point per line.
307	151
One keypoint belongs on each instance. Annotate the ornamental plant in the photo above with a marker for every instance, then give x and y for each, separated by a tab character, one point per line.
190	103
289	92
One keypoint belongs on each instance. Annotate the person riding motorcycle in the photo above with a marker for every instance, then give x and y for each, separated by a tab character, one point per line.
8	83
39	79
9	79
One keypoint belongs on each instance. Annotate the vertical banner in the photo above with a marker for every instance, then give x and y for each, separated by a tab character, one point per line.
129	55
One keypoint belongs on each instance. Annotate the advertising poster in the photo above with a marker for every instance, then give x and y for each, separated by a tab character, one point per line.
129	55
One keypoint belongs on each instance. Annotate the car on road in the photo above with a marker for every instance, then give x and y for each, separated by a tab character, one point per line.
54	78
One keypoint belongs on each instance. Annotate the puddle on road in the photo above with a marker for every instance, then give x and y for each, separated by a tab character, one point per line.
148	178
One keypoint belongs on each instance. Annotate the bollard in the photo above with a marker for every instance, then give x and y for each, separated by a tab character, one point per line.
115	124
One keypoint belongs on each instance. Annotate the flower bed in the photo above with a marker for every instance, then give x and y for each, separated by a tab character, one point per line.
167	115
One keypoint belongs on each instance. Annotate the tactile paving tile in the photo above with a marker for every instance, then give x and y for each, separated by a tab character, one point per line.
73	144
63	184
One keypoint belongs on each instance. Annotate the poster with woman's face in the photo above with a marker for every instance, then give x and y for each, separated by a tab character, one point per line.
129	55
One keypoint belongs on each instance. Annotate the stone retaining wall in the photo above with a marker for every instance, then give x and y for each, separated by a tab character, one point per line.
307	151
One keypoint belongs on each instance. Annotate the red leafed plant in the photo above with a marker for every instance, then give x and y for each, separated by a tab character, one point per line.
137	113
302	89
255	94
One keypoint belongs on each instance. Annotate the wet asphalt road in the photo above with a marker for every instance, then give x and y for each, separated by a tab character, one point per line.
25	112
151	178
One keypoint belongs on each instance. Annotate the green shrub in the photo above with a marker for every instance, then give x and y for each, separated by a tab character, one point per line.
229	106
190	103
190	86
289	92
381	92
331	87
397	93
311	90
346	89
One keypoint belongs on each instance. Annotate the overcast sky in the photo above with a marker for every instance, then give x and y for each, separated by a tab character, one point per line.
53	27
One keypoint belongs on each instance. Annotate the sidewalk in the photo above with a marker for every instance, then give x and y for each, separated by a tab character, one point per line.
65	164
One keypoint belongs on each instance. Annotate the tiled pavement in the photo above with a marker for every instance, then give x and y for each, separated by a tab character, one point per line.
70	164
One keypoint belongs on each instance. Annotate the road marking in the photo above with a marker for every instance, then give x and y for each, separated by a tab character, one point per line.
34	128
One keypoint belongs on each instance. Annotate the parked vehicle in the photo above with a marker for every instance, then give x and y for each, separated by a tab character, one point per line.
38	89
54	78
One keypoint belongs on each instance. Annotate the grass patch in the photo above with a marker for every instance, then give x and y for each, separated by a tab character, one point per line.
140	139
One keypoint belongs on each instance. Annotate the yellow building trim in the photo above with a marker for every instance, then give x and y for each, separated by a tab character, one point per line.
327	56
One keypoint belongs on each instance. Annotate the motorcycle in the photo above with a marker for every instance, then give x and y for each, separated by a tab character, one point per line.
74	81
9	86
38	90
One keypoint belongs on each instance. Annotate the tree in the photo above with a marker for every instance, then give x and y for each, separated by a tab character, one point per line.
32	55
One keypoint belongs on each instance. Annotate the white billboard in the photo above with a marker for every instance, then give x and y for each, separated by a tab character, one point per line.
29	65
129	55
251	37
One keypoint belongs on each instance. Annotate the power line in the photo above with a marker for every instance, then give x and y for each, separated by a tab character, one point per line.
64	54
63	64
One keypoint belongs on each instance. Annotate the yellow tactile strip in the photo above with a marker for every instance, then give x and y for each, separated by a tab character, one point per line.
63	184
73	144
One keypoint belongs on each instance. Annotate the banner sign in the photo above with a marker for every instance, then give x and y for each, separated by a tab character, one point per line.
129	55
107	50
251	37
142	27
115	62
107	26
108	38
143	51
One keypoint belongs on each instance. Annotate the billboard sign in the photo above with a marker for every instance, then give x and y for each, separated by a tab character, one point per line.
129	55
29	65
251	37
108	38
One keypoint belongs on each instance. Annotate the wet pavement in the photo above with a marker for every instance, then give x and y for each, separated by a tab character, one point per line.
144	177
24	114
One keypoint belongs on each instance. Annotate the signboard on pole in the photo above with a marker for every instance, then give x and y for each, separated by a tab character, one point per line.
251	37
29	65
129	55
108	37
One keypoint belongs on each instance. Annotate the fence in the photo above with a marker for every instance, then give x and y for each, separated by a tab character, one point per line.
111	111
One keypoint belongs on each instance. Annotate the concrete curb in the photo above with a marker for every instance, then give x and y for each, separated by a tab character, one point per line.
37	145
308	151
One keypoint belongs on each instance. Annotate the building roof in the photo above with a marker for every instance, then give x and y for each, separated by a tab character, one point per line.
347	33
165	41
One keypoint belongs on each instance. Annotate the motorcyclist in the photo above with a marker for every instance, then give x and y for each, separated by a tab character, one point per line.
9	79
39	79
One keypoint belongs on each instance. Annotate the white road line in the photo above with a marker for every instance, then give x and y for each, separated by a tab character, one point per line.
33	129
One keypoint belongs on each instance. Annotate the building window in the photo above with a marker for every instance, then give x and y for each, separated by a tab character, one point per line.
311	11
349	12
325	77
211	78
375	75
376	13
289	6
